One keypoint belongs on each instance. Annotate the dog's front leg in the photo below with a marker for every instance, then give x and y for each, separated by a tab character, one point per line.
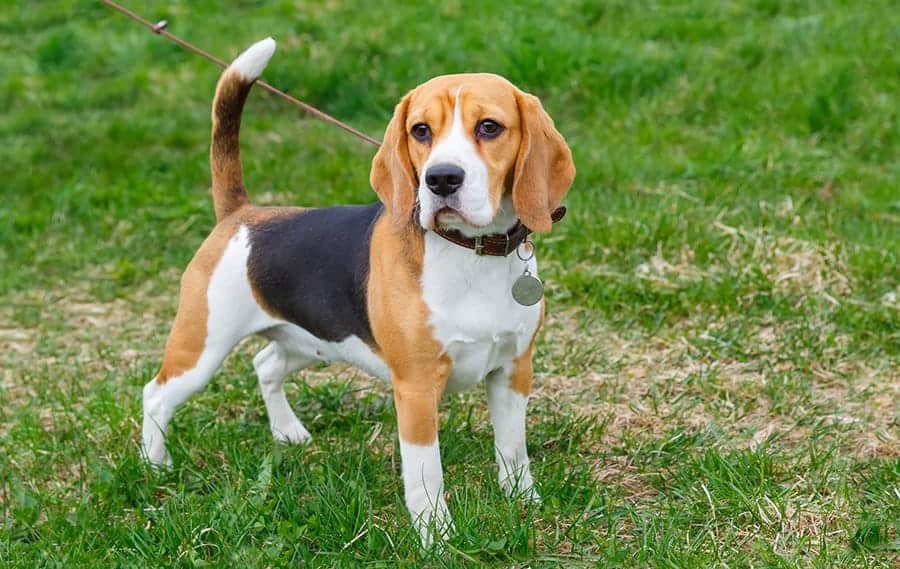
423	480
507	394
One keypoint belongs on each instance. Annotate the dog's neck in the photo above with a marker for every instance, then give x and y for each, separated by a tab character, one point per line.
495	244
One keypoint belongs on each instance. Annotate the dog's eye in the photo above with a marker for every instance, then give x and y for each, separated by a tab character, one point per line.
421	132
488	129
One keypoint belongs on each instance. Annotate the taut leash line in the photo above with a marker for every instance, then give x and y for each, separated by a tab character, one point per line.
159	29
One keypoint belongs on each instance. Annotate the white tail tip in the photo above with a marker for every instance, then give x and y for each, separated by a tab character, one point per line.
251	63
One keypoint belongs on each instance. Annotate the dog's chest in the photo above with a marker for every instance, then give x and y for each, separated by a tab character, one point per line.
472	310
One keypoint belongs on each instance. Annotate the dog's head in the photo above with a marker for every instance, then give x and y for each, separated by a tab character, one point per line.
476	153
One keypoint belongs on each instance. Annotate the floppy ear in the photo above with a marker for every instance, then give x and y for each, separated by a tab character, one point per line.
392	176
544	168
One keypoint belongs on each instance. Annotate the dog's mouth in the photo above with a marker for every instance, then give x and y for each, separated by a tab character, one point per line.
447	215
451	218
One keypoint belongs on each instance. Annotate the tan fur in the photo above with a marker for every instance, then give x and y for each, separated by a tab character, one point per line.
229	193
522	373
187	338
523	369
392	175
399	319
256	215
544	168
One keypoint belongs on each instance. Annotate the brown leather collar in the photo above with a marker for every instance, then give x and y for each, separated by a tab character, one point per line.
496	244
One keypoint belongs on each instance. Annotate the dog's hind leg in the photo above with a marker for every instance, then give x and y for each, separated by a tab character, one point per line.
216	310
162	398
273	363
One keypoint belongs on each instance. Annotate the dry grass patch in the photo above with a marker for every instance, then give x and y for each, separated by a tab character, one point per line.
647	386
631	386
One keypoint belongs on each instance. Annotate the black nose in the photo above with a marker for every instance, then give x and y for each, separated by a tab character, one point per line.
444	179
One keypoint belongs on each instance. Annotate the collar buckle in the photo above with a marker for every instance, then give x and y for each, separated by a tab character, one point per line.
479	246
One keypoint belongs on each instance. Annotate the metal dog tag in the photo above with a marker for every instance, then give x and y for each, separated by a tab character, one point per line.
527	289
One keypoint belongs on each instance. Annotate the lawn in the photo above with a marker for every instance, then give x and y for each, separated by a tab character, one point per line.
717	381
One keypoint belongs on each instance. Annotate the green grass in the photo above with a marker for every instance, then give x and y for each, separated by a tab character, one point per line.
718	378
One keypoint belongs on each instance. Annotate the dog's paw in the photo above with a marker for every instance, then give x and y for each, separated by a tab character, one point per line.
156	455
434	525
291	432
529	496
521	488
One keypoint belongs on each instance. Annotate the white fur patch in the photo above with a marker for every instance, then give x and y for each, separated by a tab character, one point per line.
233	310
473	313
251	63
423	483
303	344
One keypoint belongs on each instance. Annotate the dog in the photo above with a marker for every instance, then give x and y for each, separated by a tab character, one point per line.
414	289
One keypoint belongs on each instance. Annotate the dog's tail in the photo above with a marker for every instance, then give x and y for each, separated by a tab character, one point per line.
228	189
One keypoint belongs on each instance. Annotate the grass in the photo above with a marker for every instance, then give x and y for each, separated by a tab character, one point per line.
718	378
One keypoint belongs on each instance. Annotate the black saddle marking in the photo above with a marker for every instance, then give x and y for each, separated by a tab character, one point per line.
312	267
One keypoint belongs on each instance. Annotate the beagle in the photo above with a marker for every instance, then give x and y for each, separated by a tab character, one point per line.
415	289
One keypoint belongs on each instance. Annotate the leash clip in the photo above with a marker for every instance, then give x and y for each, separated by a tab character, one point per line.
479	246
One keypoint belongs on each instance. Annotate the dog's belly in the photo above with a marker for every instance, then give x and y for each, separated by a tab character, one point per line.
351	349
472	359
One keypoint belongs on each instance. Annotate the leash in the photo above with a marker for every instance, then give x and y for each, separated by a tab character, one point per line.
160	29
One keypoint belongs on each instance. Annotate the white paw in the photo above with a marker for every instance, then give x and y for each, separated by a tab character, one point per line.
521	488
156	454
530	495
434	525
291	432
